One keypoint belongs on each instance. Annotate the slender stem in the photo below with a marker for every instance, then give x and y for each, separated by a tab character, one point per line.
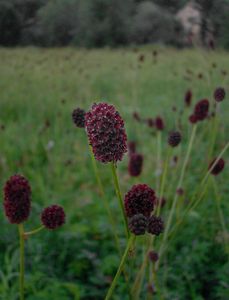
221	216
33	231
120	268
180	182
104	199
158	158
119	196
22	261
164	175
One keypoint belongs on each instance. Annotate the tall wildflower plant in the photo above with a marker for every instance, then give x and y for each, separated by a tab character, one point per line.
17	206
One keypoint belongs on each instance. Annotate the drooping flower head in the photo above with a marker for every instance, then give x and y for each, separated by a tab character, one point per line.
53	217
138	224
219	166
155	225
219	94
174	138
135	164
106	133
17	199
159	123
139	200
78	117
188	97
201	110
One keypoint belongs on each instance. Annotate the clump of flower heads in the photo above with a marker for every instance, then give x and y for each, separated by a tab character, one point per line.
139	200
188	97
106	133
138	224
218	168
17	199
174	138
219	94
135	164
78	117
155	225
53	217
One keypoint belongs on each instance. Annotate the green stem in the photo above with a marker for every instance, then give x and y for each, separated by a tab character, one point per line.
22	261
33	231
104	199
158	158
180	182
120	268
221	216
119	196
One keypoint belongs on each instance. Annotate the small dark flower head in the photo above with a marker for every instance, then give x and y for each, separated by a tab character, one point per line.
188	98
139	200
174	138
136	116
131	147
78	117
219	94
141	57
138	224
135	164
153	256
193	119
17	199
155	225
218	168
159	123
161	202
150	122
201	110
180	192
106	133
53	217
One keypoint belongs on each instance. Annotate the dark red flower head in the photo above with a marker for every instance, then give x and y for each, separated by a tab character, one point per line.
155	225
78	117
106	133
188	98
218	168
138	224
131	147
136	116
135	164
53	217
17	199
201	110
219	94
153	256
174	138
159	123
139	200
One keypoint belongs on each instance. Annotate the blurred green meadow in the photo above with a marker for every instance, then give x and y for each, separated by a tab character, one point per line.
39	88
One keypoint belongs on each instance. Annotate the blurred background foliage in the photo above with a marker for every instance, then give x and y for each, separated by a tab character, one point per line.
98	23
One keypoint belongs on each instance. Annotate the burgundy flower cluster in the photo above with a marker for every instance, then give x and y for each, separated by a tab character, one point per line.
188	97
174	138
200	111
106	133
139	204
218	166
219	94
17	204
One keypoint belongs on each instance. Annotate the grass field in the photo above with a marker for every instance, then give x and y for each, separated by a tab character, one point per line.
39	88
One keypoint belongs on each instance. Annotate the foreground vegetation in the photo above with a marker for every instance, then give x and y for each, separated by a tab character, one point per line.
39	89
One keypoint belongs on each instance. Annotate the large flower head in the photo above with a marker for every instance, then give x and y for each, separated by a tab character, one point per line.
106	133
139	200
17	199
